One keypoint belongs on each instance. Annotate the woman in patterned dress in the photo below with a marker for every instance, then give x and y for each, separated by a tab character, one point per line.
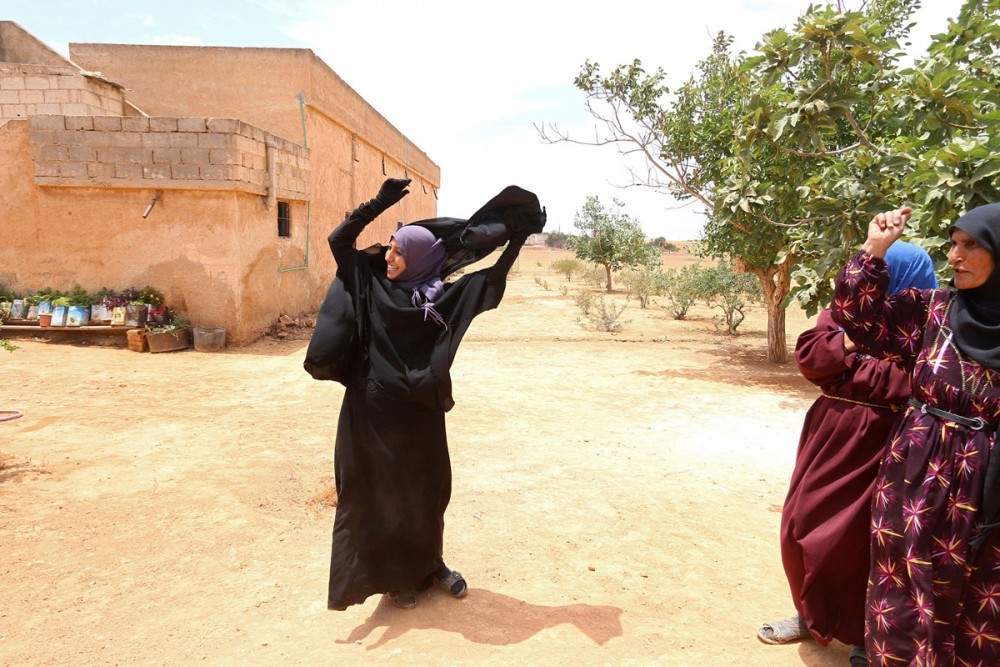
934	586
826	519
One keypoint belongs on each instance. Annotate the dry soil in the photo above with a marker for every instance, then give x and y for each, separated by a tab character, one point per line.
619	506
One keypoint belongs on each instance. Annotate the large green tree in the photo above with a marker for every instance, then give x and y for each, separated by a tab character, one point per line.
688	140
611	238
792	150
875	133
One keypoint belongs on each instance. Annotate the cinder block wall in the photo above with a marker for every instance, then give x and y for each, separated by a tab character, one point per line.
167	153
27	90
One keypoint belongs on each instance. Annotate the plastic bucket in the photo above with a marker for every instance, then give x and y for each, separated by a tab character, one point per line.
209	339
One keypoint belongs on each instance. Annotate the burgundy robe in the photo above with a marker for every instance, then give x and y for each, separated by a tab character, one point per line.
825	524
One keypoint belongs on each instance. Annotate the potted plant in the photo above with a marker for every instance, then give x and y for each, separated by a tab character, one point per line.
6	301
32	301
175	334
100	313
45	297
60	305
78	313
18	308
113	306
136	309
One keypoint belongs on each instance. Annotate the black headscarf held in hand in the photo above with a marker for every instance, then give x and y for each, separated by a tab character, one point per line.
975	314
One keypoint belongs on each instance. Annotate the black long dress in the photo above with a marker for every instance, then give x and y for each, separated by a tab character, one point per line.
393	472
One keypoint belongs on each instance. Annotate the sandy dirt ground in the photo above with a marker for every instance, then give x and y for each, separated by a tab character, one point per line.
619	505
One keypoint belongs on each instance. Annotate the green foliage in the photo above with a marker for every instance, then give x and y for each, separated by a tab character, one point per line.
558	240
682	289
7	345
568	267
611	238
721	287
594	275
79	297
874	134
794	148
644	283
172	324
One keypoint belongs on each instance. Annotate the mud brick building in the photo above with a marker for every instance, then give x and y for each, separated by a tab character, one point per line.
212	174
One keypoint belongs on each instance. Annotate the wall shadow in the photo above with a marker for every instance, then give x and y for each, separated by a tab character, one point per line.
485	617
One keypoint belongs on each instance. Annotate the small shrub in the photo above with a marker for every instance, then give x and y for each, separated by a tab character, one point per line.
682	288
594	275
543	283
568	267
732	293
585	299
607	317
564	290
644	283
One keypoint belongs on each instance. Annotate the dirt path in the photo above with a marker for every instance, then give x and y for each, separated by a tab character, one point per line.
621	507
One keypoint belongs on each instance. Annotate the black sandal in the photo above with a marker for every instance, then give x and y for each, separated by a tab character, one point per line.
404	599
452	581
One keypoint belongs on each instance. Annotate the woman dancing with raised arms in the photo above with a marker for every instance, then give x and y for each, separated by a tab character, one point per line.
934	586
389	330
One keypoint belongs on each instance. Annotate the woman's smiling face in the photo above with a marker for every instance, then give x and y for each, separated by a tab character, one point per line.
395	263
972	263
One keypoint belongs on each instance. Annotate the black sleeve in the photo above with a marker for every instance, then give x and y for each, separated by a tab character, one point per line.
498	272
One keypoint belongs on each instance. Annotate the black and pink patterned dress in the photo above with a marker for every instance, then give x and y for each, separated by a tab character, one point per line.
933	597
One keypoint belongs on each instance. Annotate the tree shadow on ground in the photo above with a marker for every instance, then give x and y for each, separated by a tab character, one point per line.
485	617
746	367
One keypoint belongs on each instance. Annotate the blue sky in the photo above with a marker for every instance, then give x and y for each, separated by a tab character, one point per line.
466	80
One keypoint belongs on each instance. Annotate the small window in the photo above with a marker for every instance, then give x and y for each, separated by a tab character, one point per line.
284	219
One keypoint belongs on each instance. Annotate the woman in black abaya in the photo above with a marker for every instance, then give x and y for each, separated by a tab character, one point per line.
389	330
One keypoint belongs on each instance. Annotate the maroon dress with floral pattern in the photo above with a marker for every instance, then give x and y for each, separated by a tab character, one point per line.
933	599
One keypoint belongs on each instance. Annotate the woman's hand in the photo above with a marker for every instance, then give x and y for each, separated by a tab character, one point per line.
884	230
392	191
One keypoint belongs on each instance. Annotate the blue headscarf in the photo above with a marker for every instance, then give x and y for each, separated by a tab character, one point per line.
909	266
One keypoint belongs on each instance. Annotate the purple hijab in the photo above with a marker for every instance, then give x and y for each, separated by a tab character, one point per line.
425	256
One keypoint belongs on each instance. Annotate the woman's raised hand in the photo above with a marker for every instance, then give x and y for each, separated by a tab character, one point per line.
885	229
392	191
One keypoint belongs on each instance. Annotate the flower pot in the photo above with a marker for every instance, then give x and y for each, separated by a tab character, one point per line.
18	309
59	316
45	320
78	316
99	313
209	339
168	341
118	316
135	316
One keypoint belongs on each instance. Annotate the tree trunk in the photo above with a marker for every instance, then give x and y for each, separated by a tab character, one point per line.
777	350
607	270
775	282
